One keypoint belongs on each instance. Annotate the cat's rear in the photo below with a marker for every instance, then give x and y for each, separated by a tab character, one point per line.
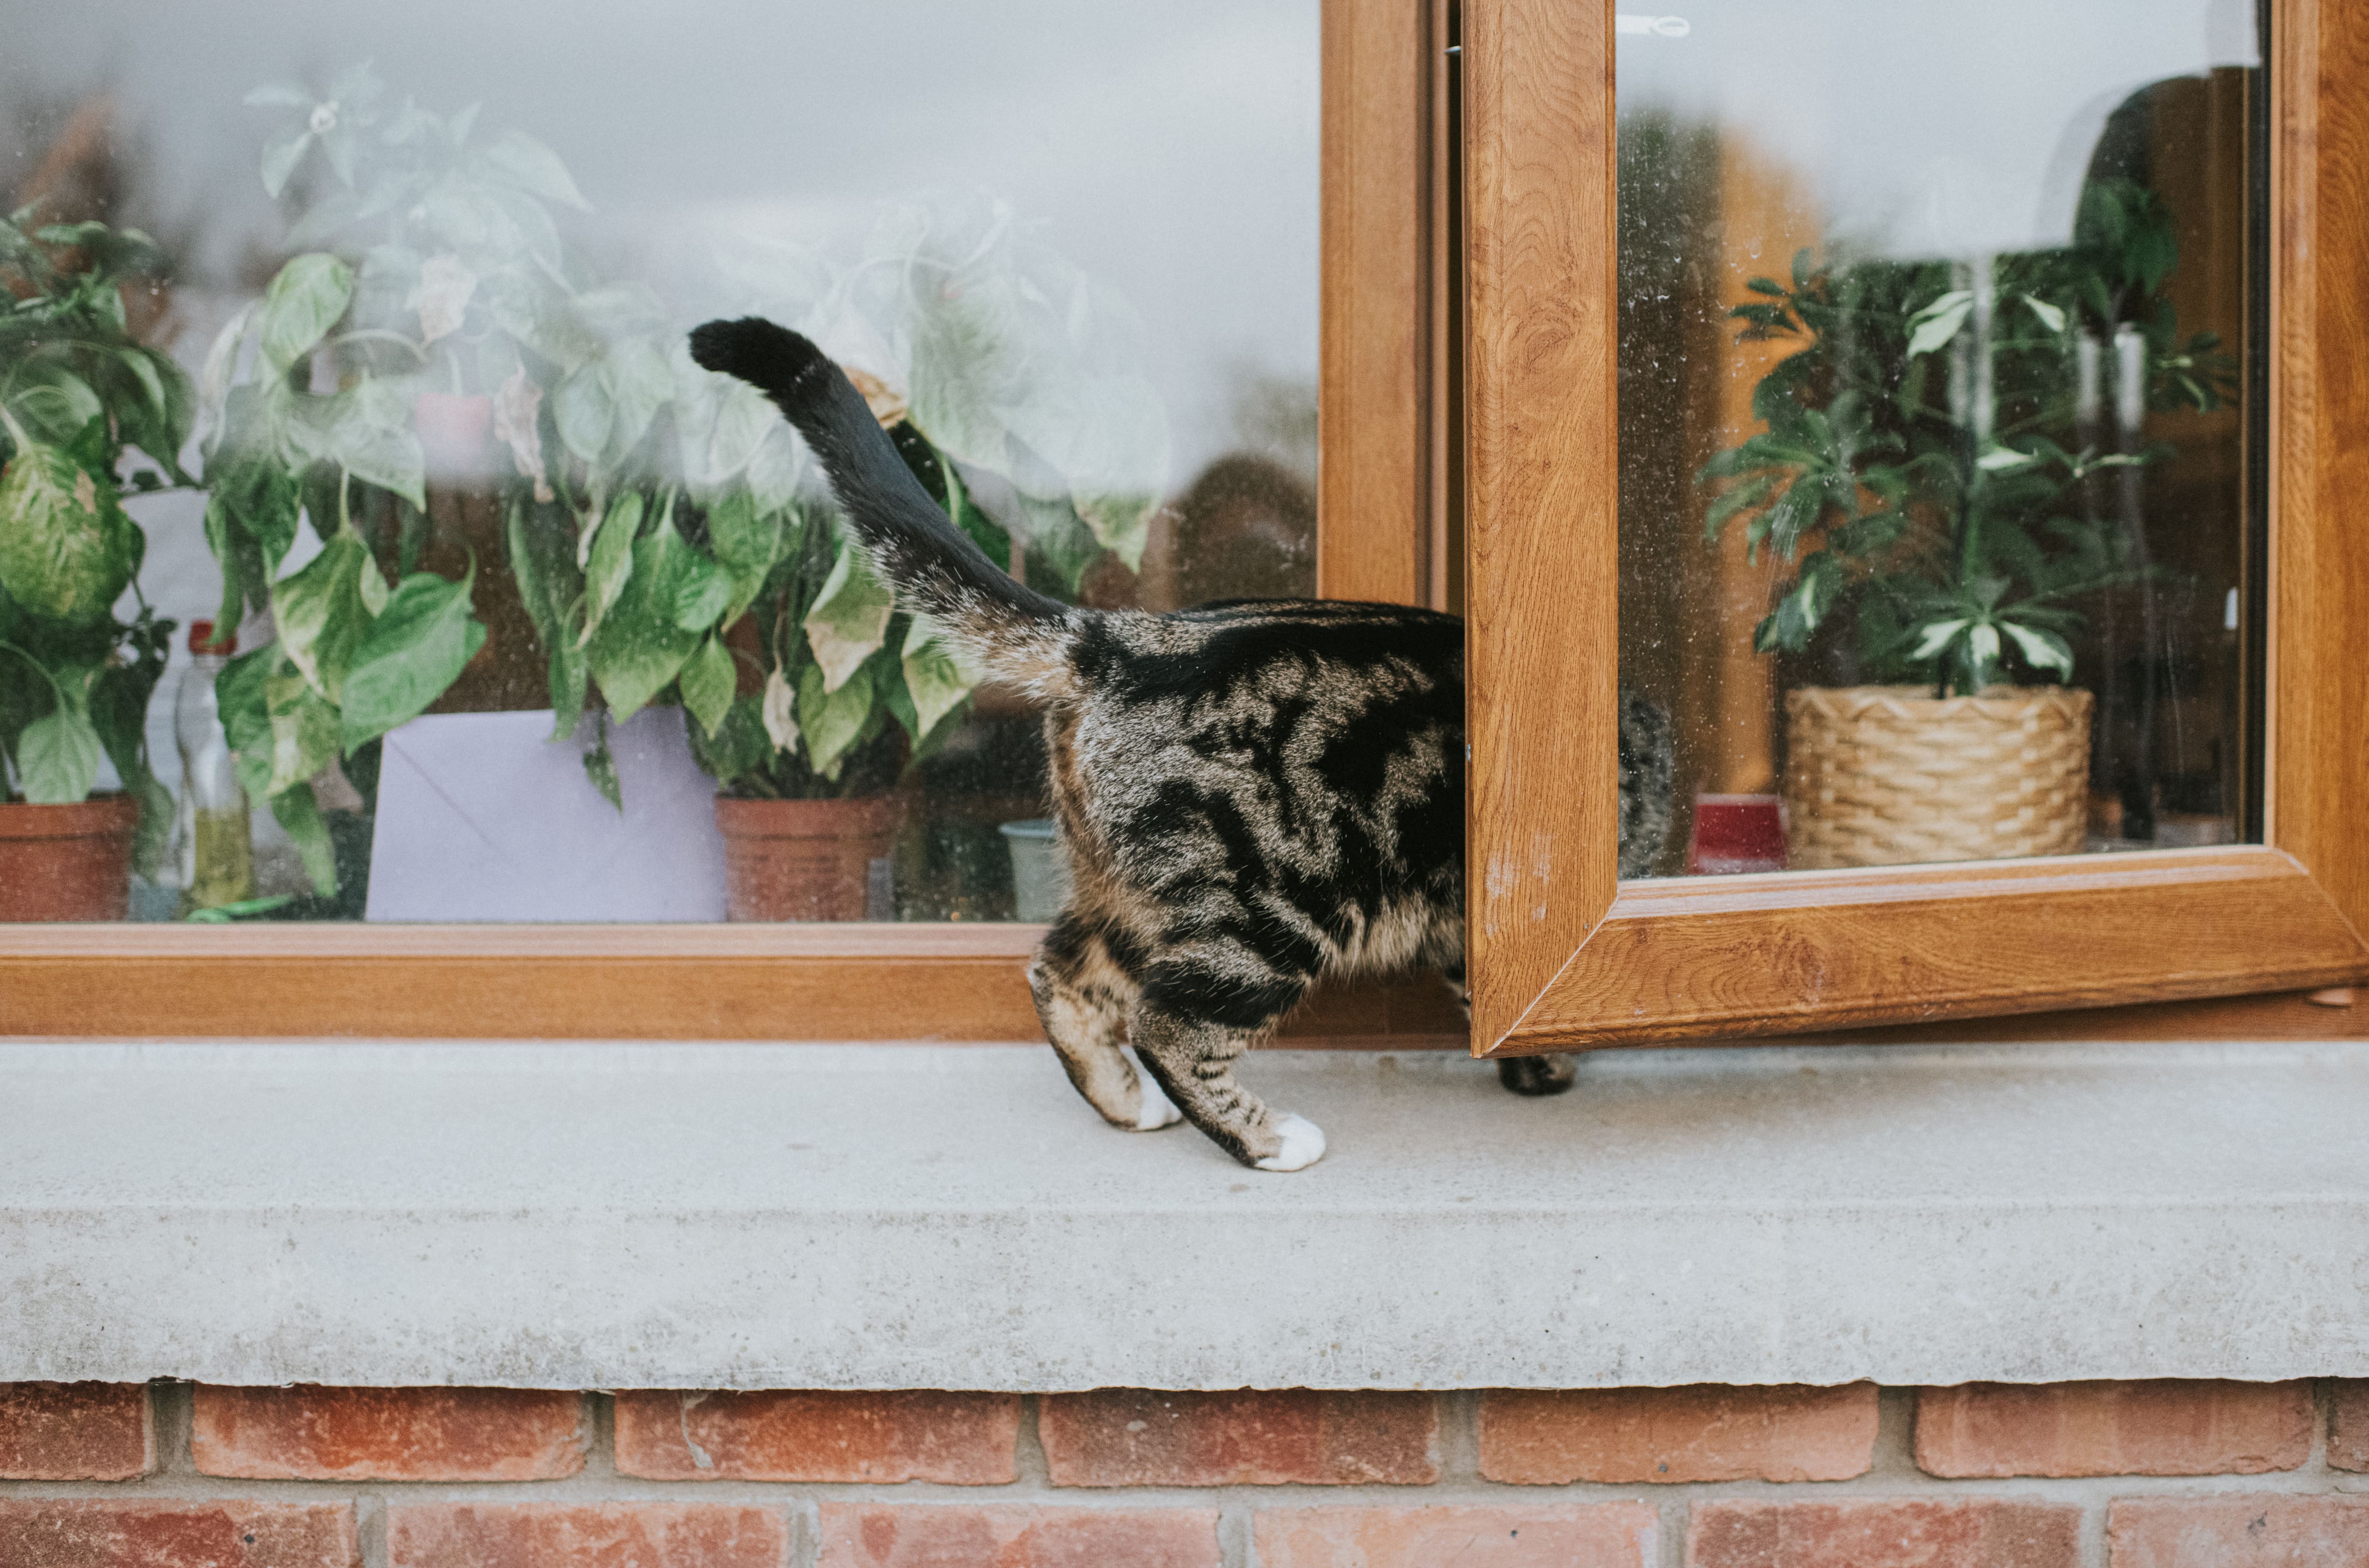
1251	795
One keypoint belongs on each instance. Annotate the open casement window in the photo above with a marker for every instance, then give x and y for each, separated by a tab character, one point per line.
1564	953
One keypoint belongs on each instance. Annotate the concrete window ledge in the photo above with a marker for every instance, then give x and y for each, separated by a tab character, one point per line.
952	1217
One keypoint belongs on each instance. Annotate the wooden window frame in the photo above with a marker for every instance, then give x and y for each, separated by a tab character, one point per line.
1565	956
1377	540
1392	462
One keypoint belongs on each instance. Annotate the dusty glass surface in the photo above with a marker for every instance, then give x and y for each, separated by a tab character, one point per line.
499	555
1936	423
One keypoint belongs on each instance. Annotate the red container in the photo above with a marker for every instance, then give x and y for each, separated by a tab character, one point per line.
1734	833
801	860
67	862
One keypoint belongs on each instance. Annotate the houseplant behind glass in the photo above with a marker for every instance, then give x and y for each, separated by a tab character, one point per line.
1932	462
75	393
655	525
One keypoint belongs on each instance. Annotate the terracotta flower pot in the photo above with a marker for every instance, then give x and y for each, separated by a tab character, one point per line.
1892	775
801	860
67	862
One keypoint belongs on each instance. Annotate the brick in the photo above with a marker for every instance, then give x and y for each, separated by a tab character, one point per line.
75	1432
1602	1535
957	1439
857	1535
1708	1432
2348	1426
597	1535
329	1433
131	1534
2158	1426
1887	1532
1260	1437
2238	1531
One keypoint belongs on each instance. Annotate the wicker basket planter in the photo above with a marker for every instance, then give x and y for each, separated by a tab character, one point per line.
1891	776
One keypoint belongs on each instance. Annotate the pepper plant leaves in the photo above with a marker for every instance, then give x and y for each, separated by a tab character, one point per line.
414	651
66	549
850	619
304	302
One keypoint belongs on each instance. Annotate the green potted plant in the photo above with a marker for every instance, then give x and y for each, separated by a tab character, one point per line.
655	526
1932	465
76	393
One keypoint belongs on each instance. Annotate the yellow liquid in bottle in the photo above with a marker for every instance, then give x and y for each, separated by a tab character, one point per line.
224	872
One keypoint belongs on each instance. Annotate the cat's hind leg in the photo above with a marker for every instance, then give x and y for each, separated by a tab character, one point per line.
1082	998
1198	1013
1533	1076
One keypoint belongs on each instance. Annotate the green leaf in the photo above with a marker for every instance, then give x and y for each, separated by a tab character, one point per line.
601	768
2050	315
304	302
544	565
850	617
281	156
52	401
585	409
533	169
1939	322
611	562
745	540
300	816
708	681
58	757
937	677
2041	650
324	611
370	441
67	548
1936	637
831	719
303	731
738	746
639	644
415	651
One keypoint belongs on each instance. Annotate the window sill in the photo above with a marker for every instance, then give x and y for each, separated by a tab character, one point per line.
952	1217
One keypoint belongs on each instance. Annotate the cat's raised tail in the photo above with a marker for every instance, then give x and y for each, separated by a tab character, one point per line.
1014	633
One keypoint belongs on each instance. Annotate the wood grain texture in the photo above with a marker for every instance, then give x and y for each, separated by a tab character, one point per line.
1374	379
1542	523
1721	957
677	982
2318	710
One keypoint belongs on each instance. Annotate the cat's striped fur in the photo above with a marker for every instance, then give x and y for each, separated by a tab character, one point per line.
1250	795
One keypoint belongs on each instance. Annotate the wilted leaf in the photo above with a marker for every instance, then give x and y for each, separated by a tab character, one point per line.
849	618
517	404
779	710
441	296
937	675
831	719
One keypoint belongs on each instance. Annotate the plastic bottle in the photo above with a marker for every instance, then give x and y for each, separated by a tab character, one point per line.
211	839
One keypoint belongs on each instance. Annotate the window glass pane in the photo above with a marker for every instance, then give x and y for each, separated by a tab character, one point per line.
1936	423
402	350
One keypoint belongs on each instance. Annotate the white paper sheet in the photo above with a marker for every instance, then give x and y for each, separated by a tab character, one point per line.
480	818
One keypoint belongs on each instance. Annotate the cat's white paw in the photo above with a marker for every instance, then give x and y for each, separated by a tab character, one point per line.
1303	1145
1158	1111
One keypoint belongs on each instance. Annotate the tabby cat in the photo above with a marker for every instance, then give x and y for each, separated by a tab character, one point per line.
1251	794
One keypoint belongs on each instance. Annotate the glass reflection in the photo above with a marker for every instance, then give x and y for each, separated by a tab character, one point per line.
1934	429
517	591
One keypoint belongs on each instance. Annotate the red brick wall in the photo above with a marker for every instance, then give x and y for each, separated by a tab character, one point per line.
2072	1475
